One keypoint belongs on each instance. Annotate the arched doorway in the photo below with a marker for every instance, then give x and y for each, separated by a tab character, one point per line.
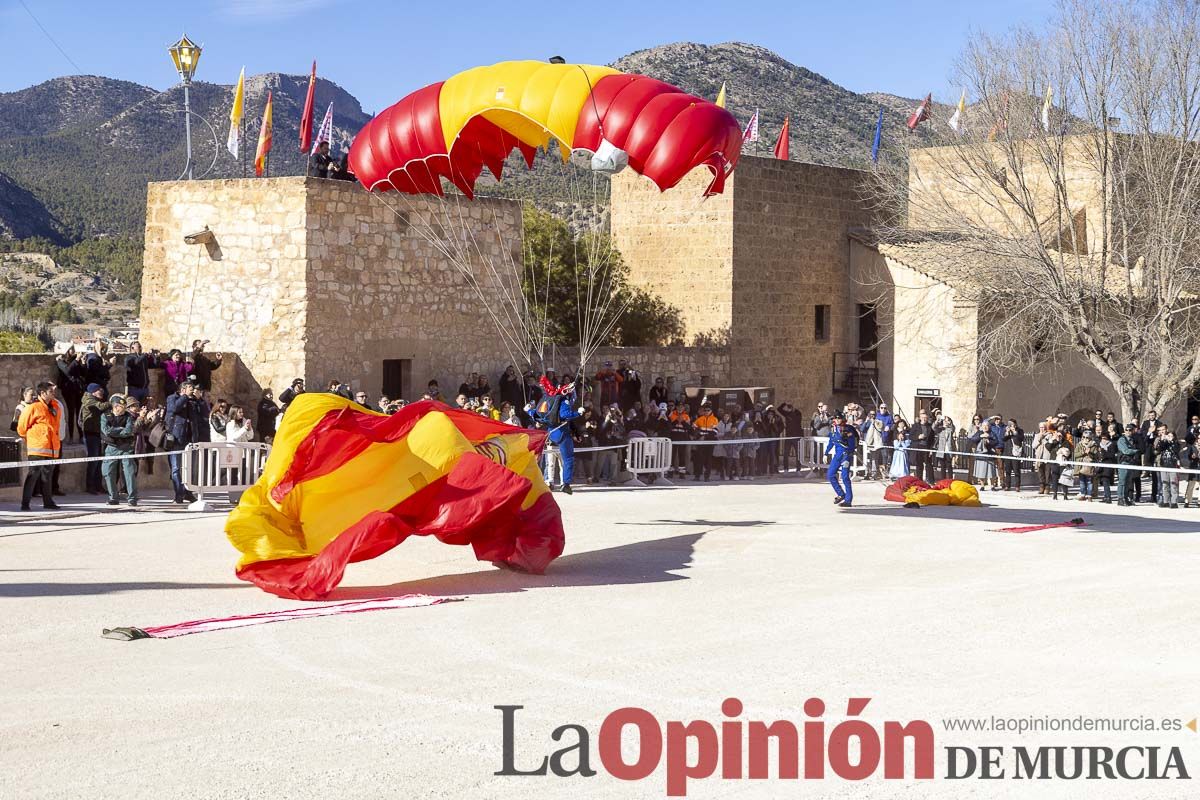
1083	402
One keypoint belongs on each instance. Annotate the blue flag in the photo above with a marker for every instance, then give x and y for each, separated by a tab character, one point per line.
878	135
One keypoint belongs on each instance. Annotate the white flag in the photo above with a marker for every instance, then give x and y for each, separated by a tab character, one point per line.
325	134
751	133
235	115
956	119
1046	108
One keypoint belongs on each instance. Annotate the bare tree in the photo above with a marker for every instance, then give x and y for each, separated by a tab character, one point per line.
1073	224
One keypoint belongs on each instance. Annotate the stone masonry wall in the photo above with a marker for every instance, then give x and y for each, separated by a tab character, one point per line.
379	289
790	254
678	246
938	181
318	279
246	291
18	370
678	366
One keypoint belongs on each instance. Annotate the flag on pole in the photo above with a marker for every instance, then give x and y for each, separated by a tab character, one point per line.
751	132
1046	108
878	137
781	144
235	115
325	134
921	114
306	119
264	140
721	96
956	119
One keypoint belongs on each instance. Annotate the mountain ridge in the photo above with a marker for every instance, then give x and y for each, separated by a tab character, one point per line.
83	147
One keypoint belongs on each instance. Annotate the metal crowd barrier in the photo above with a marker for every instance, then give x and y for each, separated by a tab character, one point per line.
648	456
222	466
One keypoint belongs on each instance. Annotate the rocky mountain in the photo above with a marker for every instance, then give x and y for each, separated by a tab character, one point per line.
829	123
78	101
85	147
77	152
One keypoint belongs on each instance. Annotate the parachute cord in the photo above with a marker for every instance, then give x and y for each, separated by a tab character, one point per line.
441	247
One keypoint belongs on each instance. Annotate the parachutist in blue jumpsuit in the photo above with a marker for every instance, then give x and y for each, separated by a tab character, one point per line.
555	414
843	442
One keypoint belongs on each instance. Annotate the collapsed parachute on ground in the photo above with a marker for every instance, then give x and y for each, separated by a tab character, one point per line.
472	120
343	484
910	490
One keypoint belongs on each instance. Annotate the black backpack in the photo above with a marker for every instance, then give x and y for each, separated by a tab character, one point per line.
548	411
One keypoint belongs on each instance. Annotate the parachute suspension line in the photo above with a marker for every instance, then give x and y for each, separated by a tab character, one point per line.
536	345
441	247
510	308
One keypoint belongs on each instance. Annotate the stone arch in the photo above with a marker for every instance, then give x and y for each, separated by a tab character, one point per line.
1081	402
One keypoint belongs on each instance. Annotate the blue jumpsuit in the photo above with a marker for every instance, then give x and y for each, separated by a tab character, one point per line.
843	441
560	436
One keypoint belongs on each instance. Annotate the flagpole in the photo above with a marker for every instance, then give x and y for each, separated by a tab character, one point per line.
242	143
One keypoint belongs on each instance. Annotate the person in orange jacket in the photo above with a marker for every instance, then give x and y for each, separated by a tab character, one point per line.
706	431
38	426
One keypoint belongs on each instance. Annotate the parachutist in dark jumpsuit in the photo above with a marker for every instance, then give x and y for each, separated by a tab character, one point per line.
843	442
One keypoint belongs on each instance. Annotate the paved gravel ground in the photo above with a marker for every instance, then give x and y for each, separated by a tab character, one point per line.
669	599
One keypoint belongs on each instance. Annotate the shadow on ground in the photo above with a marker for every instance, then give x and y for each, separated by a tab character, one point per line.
633	563
1097	521
41	589
637	562
706	523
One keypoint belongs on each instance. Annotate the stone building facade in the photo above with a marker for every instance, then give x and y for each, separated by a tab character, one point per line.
774	279
763	268
313	278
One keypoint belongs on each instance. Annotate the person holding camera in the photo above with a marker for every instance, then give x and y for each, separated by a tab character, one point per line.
183	421
1014	448
203	366
137	371
267	412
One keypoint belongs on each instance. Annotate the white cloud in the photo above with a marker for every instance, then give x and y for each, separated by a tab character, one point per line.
270	9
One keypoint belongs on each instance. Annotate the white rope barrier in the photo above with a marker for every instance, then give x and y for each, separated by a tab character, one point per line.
48	462
1049	461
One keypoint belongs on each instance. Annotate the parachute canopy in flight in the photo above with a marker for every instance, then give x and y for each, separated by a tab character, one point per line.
343	484
456	128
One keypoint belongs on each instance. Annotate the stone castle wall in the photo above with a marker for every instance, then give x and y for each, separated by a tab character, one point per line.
791	249
678	246
318	279
752	263
380	289
247	292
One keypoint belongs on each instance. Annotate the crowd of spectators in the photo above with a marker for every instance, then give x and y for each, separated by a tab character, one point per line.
615	406
998	454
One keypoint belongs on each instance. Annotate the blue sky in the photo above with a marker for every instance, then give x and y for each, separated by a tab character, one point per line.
380	51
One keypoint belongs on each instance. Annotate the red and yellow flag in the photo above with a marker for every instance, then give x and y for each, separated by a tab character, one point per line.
264	140
344	484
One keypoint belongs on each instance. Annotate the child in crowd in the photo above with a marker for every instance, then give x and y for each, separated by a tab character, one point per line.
1061	475
749	451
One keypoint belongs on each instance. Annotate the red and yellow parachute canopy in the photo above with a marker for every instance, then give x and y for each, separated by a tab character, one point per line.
343	484
456	128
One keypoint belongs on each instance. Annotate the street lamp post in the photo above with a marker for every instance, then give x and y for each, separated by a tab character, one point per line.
186	55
